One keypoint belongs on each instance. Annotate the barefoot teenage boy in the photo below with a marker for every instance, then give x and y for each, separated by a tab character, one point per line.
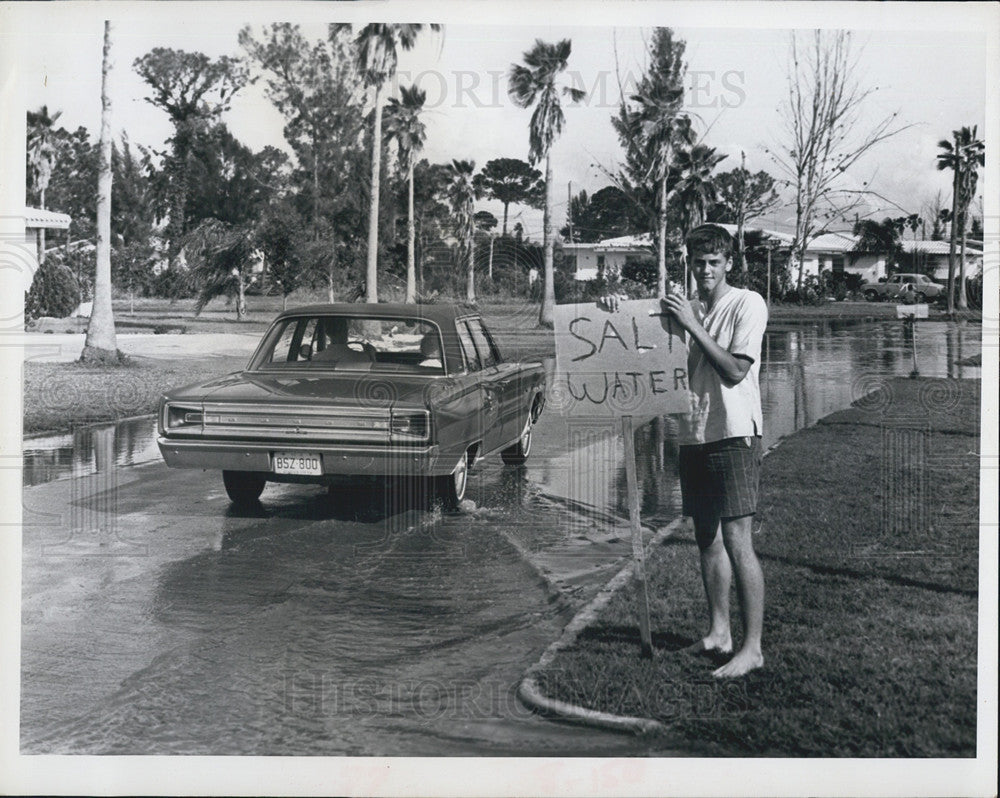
720	449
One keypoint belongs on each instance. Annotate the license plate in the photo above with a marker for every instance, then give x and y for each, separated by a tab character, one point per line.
303	463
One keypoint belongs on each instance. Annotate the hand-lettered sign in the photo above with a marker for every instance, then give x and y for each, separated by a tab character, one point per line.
632	362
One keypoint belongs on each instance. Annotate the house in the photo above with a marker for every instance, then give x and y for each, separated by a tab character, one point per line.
612	254
931	258
608	256
835	252
832	252
36	222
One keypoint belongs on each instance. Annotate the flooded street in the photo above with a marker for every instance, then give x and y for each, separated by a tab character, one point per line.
157	619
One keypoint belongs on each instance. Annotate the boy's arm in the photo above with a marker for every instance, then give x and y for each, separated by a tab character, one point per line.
732	368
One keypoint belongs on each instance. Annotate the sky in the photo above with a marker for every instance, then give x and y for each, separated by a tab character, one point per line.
933	78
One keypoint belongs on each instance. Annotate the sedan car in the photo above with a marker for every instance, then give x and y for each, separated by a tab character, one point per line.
392	390
920	286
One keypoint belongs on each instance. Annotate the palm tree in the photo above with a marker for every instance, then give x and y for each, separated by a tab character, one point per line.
42	153
695	191
658	132
377	57
101	344
534	82
463	193
962	157
949	158
973	156
404	126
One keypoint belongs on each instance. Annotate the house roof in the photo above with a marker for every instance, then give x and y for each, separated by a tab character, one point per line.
783	238
939	247
643	241
36	217
832	242
640	241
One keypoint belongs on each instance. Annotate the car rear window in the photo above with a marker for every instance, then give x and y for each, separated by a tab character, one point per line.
343	343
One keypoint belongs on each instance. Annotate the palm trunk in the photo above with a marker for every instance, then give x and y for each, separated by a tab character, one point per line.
661	250
740	243
470	286
954	222
331	265
315	188
371	275
546	316
411	235
963	302
241	298
177	202
41	231
101	344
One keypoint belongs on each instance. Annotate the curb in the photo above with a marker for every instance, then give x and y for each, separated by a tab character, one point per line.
531	694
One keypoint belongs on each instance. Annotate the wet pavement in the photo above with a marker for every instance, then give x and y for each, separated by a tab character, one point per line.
158	619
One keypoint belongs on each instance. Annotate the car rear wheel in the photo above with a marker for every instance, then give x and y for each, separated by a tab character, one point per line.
871	295
243	487
451	487
518	453
921	297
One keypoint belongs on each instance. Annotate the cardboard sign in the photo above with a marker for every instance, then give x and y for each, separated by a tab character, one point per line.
632	362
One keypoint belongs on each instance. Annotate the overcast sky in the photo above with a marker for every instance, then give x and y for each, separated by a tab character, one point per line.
934	78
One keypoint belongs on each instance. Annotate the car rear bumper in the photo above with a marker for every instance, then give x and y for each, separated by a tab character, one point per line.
339	459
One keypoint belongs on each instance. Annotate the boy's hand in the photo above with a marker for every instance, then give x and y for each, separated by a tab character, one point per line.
678	305
611	302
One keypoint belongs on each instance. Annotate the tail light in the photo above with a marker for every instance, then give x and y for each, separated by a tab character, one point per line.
410	425
181	417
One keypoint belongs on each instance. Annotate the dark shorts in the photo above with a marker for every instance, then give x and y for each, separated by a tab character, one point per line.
721	478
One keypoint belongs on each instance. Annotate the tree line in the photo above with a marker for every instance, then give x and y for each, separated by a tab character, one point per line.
355	206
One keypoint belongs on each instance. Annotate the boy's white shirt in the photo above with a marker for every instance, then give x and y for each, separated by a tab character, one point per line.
736	322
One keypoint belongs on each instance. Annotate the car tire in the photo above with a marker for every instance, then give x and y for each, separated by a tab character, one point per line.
451	487
921	298
243	487
518	453
871	295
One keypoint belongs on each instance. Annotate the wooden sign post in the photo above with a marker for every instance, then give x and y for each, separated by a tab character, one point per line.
630	364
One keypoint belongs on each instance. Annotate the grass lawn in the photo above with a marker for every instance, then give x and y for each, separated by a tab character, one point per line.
869	542
60	396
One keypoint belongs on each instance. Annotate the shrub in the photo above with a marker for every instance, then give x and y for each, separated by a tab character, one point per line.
811	294
54	292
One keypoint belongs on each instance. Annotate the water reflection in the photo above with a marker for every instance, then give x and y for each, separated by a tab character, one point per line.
89	450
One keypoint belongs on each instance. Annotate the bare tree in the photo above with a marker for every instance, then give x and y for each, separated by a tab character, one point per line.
825	134
101	344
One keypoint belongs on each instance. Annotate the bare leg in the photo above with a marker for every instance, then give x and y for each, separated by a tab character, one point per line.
716	575
736	536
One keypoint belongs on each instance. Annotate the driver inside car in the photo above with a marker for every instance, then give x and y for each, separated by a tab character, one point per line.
332	344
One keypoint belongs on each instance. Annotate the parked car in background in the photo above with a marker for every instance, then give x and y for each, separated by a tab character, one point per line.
418	391
924	288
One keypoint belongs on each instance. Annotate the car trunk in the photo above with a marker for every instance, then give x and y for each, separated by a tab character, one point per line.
347	408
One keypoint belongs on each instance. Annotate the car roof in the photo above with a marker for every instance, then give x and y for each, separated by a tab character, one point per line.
437	313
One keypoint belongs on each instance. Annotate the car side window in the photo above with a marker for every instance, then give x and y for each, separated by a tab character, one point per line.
465	338
488	354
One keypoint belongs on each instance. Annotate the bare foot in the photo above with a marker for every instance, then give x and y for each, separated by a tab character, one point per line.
744	662
710	644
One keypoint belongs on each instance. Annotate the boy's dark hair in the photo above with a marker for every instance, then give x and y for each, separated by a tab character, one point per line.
709	239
